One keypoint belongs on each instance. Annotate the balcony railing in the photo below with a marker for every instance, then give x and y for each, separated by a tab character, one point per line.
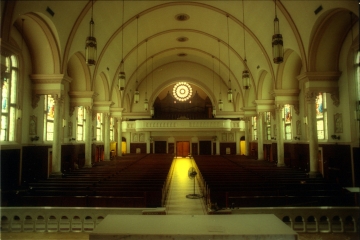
183	125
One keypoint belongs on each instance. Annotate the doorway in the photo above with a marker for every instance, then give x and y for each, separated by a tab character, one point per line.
182	149
205	147
242	146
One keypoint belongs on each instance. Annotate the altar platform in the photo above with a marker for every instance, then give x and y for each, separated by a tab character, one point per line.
181	227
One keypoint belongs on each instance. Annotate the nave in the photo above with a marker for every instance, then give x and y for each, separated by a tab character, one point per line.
177	204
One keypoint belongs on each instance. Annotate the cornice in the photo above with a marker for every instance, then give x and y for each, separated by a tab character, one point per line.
319	76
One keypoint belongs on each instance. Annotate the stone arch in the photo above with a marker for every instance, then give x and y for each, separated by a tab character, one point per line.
324	55
79	72
265	86
288	71
101	87
41	38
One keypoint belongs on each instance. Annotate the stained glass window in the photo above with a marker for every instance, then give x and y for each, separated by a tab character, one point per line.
99	127
111	129
321	115
80	124
268	125
253	120
49	105
9	81
287	121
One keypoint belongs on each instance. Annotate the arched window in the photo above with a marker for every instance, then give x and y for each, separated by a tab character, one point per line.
9	81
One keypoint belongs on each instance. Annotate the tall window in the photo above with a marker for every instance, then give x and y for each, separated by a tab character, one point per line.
253	121
9	99
80	133
287	121
268	125
49	110
99	126
111	129
321	115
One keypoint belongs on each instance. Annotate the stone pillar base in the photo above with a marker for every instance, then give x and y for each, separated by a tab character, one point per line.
56	175
281	165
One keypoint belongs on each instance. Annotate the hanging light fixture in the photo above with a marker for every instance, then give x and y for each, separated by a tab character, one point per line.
277	42
122	75
213	108
229	93
137	93
220	104
91	45
152	84
146	102
245	73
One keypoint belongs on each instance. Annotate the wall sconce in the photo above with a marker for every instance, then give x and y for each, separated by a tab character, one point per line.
273	138
18	113
337	137
71	139
63	122
36	138
215	138
305	120
297	138
94	139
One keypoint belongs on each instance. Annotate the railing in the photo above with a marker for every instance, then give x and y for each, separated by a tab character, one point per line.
61	219
52	219
181	125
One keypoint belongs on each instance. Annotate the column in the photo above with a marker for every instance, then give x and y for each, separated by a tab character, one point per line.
312	132
217	145
106	137
279	135
247	135
88	137
147	140
56	146
260	135
119	137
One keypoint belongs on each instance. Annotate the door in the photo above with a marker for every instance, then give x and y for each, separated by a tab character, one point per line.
182	149
205	147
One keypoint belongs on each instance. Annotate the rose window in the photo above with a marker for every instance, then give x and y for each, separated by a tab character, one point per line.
182	91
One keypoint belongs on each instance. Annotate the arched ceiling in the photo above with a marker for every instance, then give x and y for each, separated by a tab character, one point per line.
201	42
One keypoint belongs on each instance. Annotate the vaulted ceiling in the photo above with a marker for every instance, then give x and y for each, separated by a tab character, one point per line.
203	43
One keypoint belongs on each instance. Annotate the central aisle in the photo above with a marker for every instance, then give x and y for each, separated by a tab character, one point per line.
181	185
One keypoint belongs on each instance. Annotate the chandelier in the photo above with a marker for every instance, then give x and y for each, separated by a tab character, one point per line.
90	44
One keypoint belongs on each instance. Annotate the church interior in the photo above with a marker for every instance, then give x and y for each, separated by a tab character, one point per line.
126	107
